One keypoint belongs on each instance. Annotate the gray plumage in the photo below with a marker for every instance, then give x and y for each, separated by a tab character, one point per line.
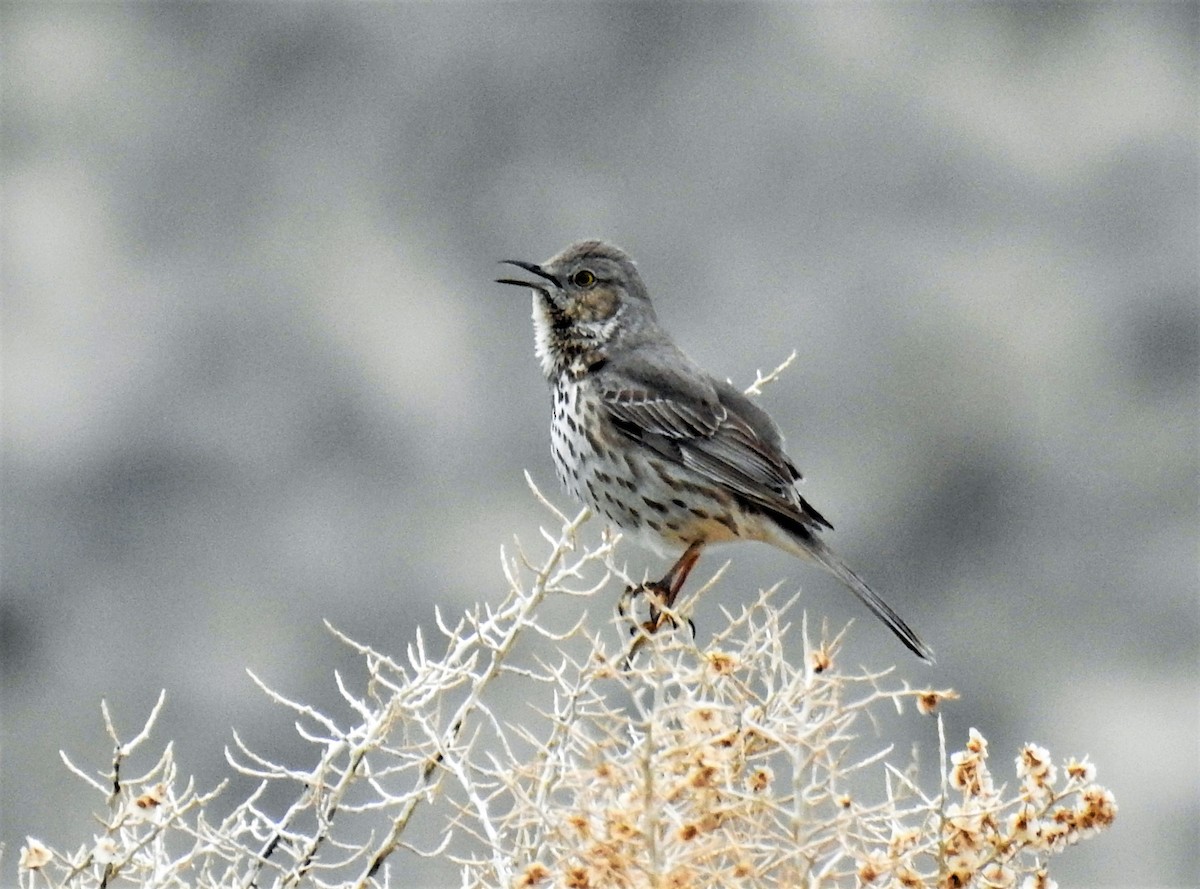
644	436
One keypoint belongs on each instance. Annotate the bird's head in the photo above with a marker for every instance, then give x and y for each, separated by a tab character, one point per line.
588	299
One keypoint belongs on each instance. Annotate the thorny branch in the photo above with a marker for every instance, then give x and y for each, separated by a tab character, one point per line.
746	760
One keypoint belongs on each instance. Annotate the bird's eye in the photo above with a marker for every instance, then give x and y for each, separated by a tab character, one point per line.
583	279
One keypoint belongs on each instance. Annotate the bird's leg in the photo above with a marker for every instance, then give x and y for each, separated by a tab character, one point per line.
672	582
663	591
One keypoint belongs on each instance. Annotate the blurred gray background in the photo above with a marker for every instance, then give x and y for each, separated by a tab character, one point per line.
255	372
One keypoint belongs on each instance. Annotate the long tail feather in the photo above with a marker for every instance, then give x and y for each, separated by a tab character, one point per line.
870	598
807	545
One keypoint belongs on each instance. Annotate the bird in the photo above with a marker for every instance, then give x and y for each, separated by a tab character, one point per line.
673	456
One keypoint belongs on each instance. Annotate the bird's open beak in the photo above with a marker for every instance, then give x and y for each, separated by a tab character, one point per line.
535	269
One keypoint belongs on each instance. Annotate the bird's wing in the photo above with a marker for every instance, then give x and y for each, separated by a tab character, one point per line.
709	427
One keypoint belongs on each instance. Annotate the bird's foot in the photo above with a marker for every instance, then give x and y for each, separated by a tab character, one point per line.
643	630
658	594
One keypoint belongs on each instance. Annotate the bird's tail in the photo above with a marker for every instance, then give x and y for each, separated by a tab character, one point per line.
805	543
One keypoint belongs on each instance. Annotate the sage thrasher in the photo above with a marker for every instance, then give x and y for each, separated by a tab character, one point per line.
671	455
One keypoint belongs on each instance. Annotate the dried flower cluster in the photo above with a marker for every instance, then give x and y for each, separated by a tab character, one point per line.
731	766
988	841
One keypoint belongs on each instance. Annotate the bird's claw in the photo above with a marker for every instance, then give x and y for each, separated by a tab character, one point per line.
657	591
